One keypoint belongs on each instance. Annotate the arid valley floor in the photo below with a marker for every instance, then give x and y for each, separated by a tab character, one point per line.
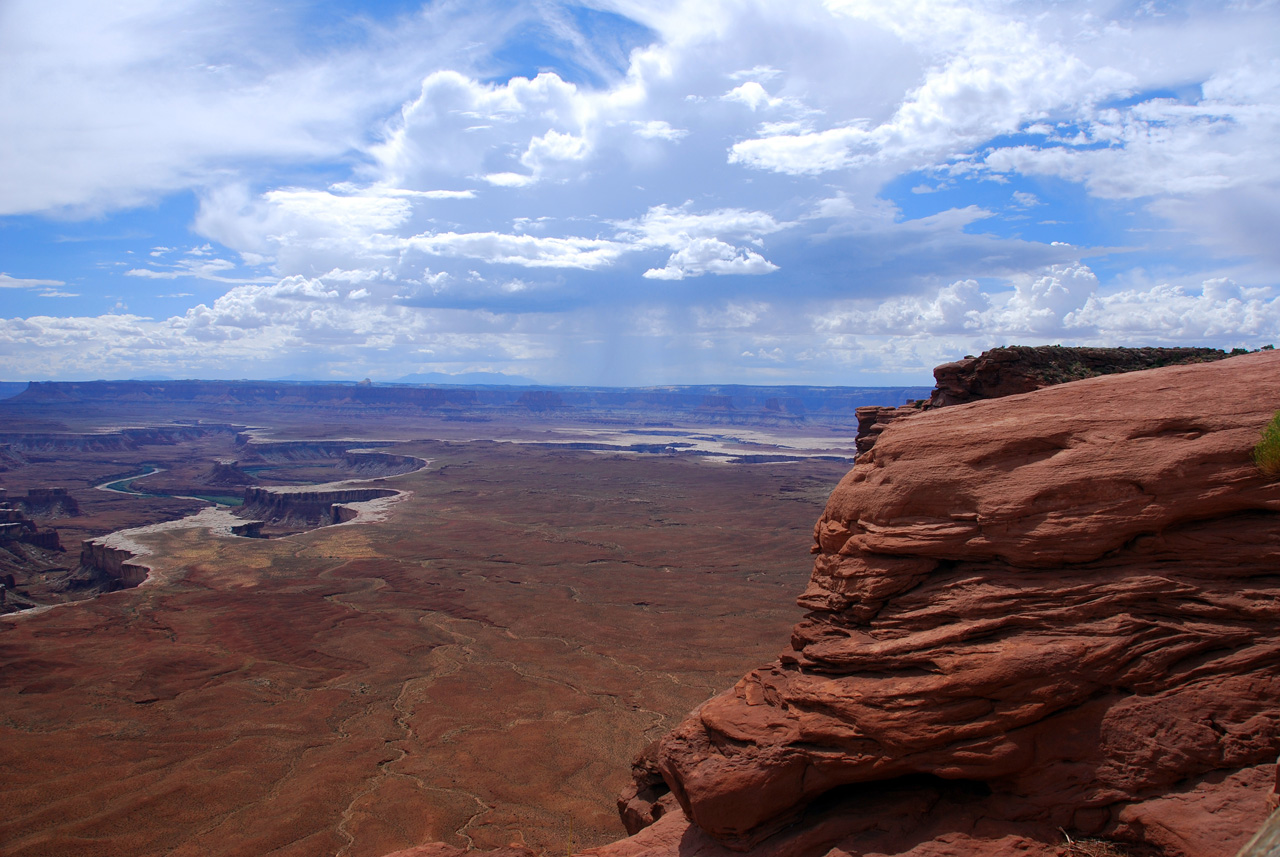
477	662
1035	619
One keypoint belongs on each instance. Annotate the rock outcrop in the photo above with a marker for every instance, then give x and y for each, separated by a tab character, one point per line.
227	473
99	559
49	503
305	508
1052	615
18	443
364	463
1021	369
16	524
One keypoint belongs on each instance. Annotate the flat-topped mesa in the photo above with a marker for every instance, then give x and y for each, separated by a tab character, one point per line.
1066	600
109	441
48	503
16	524
1021	369
306	507
365	463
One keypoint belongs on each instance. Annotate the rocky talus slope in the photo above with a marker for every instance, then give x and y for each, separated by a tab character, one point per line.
1035	622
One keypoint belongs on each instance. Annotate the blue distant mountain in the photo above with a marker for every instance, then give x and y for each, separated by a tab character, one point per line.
493	378
9	389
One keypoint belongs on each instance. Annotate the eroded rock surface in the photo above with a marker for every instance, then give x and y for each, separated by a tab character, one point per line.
306	508
1050	615
1017	369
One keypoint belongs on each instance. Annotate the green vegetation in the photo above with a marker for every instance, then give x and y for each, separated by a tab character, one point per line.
221	499
1267	453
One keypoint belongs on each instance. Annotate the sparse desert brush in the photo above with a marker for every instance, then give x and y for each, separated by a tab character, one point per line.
1097	848
1267	453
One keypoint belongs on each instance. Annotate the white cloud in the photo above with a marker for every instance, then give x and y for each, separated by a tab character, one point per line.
696	240
731	138
107	105
1045	304
509	179
199	265
658	129
1064	303
8	282
994	73
527	250
249	327
753	95
734	315
665	226
956	308
710	256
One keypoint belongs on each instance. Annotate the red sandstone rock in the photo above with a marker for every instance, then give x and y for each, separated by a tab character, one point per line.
648	798
1067	598
1021	369
1017	369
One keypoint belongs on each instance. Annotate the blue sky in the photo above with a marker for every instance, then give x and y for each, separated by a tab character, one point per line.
693	191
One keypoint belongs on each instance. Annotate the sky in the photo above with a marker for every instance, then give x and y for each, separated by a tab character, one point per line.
629	192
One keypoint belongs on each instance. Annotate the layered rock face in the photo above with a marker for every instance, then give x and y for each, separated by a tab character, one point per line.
305	507
1020	369
114	562
1048	615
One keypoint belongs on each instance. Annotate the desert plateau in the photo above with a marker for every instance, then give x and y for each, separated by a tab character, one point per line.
605	428
523	597
306	620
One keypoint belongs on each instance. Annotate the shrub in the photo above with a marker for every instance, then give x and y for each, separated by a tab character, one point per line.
1267	453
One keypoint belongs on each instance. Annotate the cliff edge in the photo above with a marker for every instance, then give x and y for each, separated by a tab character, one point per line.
1014	369
1035	621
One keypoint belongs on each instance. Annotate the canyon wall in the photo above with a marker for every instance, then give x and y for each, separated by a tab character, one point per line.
306	507
97	555
109	441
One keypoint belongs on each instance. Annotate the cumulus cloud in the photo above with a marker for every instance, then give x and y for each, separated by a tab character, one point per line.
996	74
710	256
767	151
1064	304
148	97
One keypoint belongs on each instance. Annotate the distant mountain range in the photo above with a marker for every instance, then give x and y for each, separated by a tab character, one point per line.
8	389
484	378
723	404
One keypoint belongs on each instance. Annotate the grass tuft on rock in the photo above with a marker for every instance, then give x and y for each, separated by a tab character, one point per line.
1267	453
